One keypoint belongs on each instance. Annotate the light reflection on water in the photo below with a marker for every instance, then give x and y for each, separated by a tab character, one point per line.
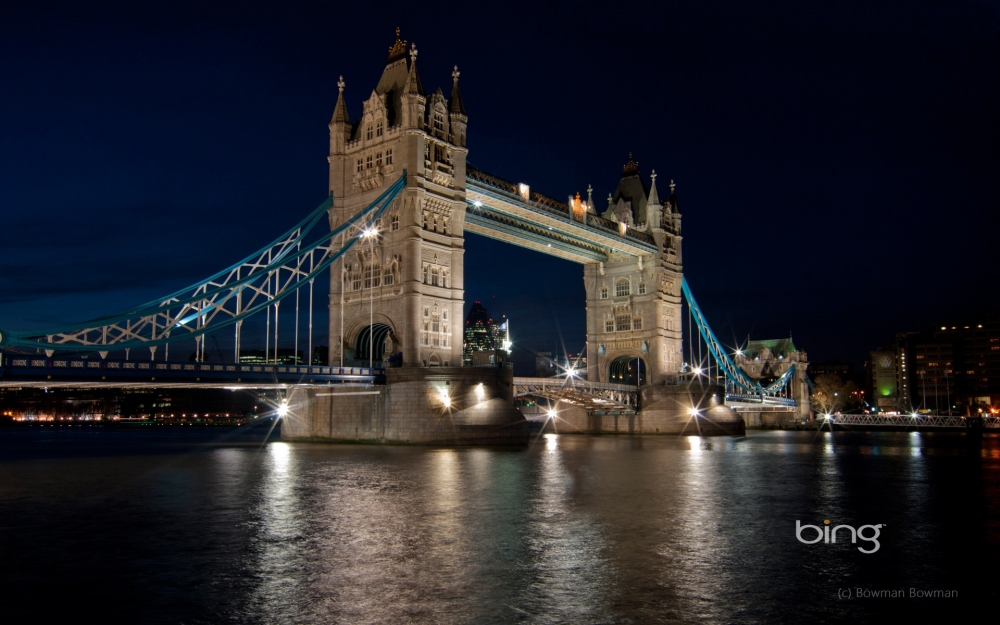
572	530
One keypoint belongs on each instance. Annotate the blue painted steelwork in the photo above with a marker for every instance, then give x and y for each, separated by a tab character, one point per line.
19	367
261	280
738	384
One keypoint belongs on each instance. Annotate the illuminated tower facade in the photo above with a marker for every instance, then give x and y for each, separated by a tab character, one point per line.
411	274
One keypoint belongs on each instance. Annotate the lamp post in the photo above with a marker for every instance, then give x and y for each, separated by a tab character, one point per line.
369	233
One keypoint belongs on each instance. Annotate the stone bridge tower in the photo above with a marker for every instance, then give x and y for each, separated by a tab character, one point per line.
634	304
413	273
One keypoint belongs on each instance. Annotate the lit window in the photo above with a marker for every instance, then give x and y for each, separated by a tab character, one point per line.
388	156
604	292
642	288
622	288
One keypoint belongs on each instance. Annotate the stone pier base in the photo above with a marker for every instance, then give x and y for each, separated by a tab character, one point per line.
663	410
689	410
418	405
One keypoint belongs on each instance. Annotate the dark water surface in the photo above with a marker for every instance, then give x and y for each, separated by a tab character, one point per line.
217	526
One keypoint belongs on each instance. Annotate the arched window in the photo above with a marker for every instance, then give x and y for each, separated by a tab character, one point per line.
604	292
622	288
642	288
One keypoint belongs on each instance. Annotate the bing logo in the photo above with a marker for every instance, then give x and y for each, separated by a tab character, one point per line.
829	535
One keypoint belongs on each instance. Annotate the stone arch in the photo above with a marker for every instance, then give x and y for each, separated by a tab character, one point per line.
628	369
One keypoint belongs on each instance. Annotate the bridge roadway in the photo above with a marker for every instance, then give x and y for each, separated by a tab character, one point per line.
910	422
25	371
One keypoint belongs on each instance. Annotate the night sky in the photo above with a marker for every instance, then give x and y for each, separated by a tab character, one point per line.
837	162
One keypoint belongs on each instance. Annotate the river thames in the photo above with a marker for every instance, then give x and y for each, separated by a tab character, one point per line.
204	525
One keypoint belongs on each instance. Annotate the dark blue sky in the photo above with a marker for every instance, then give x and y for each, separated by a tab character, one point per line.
837	163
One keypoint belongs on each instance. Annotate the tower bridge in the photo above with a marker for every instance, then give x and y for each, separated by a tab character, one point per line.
401	198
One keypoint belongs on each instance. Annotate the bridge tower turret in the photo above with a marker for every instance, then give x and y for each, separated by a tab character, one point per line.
634	303
411	274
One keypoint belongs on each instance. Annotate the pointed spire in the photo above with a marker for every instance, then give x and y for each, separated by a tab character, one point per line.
590	198
654	198
673	198
456	105
340	115
412	86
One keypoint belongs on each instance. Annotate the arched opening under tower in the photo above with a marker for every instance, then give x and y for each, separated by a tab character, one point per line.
627	370
372	339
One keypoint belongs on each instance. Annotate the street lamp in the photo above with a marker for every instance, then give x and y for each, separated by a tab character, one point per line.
369	233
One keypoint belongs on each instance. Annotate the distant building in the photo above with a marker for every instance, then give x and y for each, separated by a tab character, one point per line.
958	363
767	360
285	357
953	366
483	333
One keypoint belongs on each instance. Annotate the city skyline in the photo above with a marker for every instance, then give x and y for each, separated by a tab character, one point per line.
132	189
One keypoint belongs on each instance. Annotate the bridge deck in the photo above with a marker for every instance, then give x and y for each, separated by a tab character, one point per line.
37	371
592	396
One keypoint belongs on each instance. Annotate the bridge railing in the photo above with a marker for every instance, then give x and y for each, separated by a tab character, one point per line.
39	368
933	421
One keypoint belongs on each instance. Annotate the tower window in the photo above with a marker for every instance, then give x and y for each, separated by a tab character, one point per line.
368	162
427	270
609	325
394	222
623	323
438	121
378	129
361	165
378	159
604	292
636	323
388	156
642	288
356	281
368	132
389	277
435	274
622	288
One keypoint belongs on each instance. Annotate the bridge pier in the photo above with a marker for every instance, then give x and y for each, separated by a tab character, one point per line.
688	409
417	405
